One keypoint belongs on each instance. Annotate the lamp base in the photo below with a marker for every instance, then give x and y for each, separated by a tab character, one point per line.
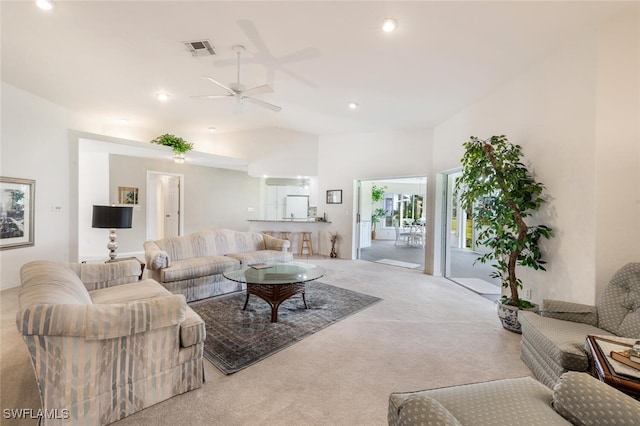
112	245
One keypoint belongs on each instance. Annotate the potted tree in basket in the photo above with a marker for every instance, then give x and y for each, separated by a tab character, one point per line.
377	193
177	144
501	193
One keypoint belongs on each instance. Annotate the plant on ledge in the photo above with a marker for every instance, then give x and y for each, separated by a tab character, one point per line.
501	193
178	145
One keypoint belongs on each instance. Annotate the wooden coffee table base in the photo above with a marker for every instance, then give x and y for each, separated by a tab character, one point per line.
275	294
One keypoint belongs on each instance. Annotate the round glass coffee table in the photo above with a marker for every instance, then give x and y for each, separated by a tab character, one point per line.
275	282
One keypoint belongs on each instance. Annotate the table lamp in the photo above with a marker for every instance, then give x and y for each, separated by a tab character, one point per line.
112	217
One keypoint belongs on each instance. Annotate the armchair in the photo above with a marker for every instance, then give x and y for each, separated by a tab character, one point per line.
104	354
553	342
521	401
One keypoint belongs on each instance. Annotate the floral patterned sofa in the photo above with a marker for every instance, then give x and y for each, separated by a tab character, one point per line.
104	345
192	265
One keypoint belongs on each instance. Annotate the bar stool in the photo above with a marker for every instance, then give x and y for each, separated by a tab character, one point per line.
305	243
286	235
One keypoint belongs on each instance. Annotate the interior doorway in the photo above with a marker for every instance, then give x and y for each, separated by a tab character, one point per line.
392	227
165	201
460	248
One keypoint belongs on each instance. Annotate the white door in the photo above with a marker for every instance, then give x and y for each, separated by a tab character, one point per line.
171	206
165	201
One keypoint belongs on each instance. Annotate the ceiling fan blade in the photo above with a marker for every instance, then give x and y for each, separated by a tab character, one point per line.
225	87
212	96
300	55
252	34
258	90
264	104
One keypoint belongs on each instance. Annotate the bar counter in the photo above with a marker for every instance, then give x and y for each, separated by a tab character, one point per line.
319	232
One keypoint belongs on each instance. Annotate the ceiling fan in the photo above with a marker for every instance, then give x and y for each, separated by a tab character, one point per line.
240	91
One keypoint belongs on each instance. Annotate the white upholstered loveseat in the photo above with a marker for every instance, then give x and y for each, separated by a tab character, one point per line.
192	265
104	345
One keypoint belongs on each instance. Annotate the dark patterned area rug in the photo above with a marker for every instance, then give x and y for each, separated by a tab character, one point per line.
237	339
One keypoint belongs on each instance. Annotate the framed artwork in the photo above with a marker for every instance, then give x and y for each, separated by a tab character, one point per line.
17	200
334	196
127	195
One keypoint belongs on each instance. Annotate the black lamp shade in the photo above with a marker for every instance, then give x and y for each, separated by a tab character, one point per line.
116	217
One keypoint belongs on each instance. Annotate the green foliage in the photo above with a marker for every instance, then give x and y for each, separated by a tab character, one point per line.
377	193
178	145
376	216
502	193
522	304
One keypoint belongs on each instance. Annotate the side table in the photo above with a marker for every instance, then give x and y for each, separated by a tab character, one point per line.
603	370
120	259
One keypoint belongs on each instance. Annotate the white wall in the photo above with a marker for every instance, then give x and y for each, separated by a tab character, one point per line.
346	158
553	111
617	187
213	197
93	189
274	152
34	146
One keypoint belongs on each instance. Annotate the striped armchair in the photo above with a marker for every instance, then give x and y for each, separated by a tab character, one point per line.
101	355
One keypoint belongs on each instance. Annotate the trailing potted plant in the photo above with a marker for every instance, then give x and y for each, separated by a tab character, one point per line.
178	145
501	193
376	216
377	193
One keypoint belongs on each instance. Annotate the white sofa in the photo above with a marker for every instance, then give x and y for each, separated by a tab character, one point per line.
192	265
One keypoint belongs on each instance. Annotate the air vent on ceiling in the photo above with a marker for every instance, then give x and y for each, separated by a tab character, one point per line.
199	47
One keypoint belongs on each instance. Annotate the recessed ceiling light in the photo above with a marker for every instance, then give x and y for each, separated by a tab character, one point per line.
353	105
124	121
389	25
212	129
162	97
44	4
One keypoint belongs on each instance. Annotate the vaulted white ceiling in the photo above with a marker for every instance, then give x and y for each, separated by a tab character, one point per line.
110	59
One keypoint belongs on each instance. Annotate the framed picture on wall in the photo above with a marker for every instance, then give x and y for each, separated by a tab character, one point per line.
17	200
334	196
127	195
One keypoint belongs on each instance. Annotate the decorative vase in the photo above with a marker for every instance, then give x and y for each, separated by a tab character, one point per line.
333	250
509	316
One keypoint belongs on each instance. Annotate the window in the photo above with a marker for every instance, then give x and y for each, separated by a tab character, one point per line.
406	209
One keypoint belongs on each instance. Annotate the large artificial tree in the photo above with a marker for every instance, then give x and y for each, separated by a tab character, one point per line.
501	193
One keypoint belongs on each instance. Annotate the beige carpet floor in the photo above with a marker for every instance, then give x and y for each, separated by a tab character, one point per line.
427	332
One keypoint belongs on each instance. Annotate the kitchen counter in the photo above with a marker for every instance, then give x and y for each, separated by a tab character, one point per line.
288	220
319	232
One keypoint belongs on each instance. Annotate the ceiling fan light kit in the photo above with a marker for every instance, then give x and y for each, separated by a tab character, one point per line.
240	91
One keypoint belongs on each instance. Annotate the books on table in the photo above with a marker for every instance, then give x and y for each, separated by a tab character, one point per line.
260	265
